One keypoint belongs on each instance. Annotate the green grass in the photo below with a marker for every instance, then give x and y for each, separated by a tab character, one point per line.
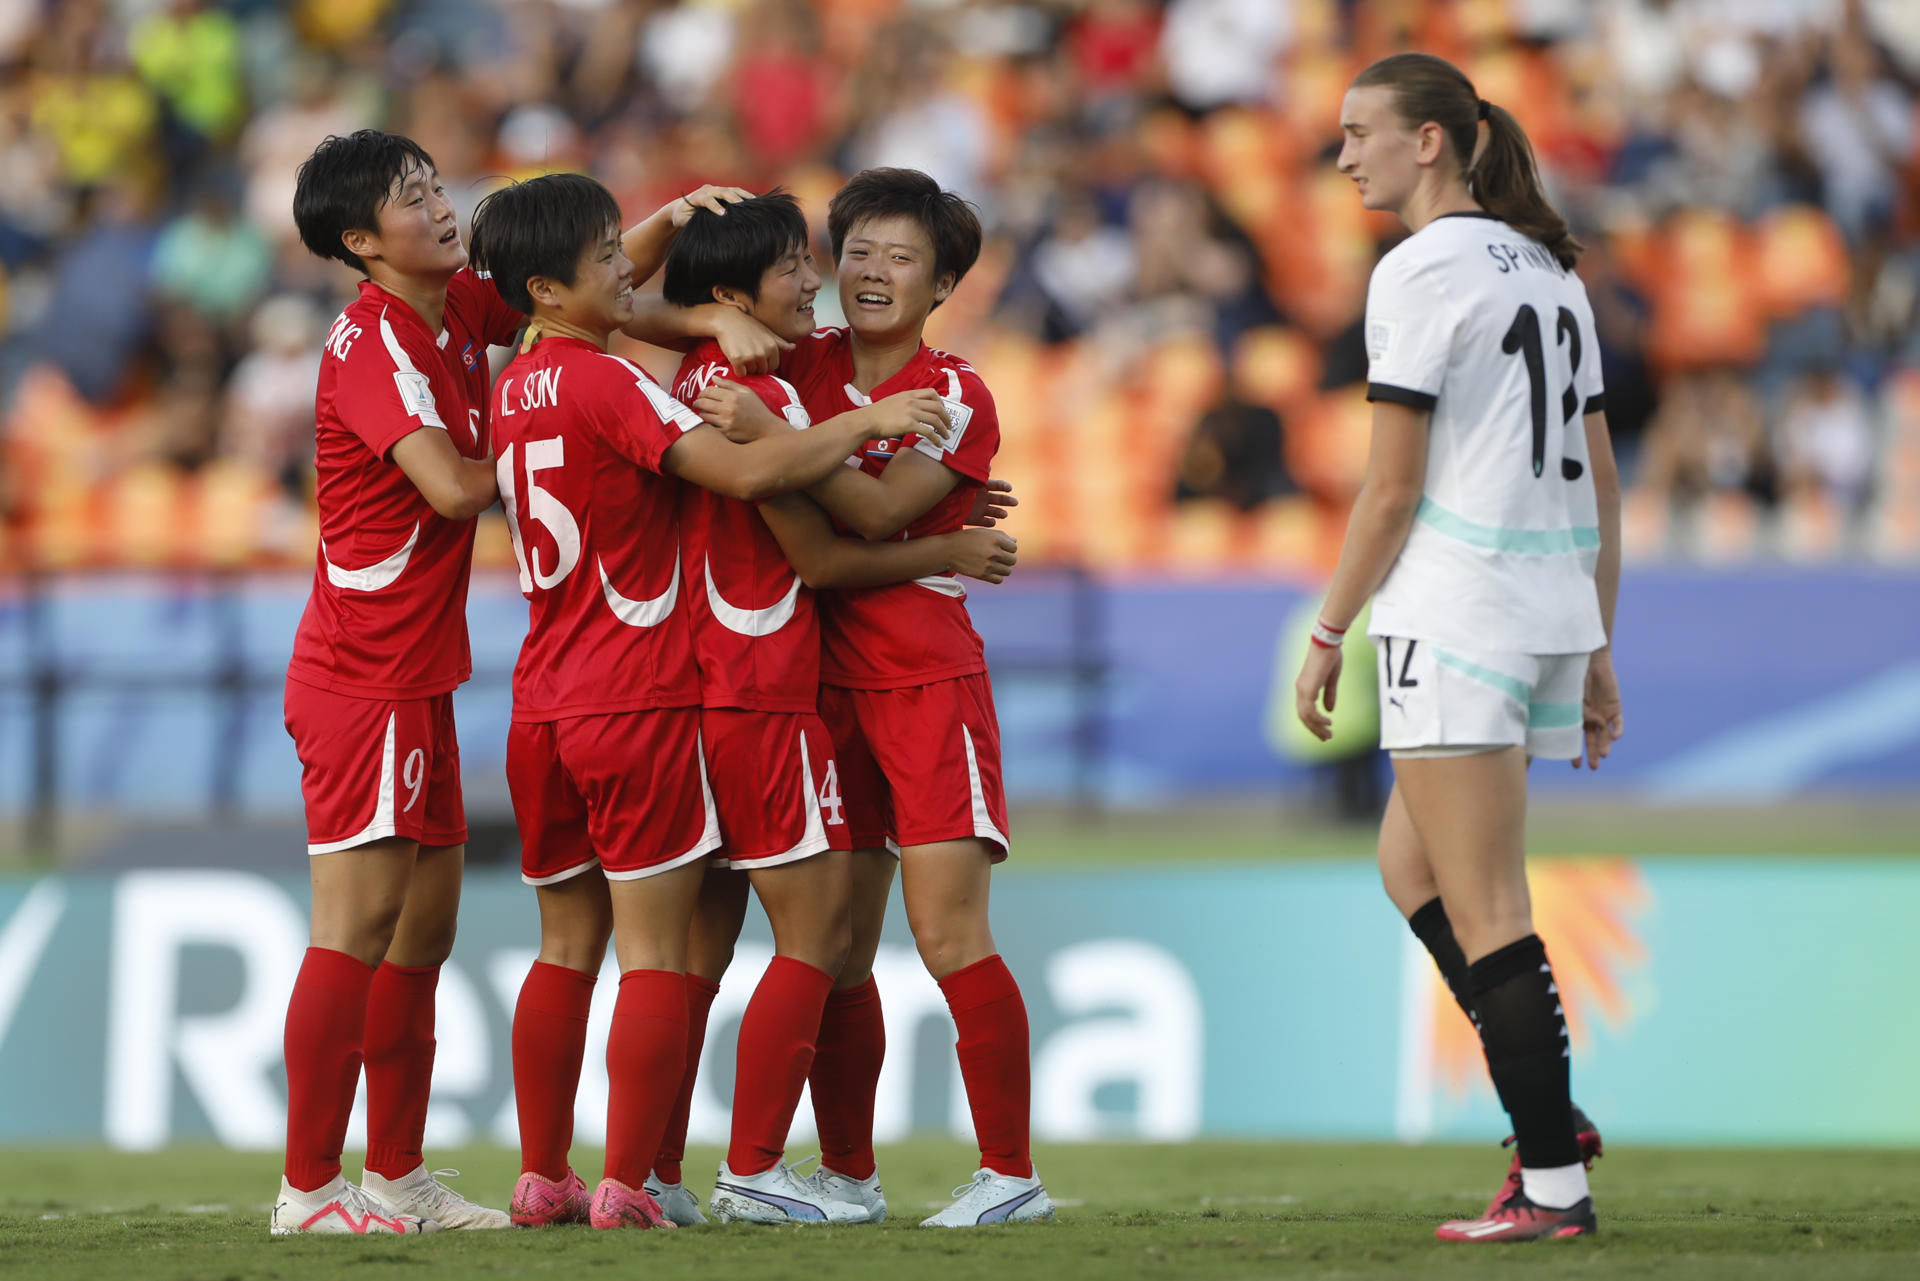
1200	1210
1239	832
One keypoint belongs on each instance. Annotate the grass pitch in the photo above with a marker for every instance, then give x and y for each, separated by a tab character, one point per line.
1199	1210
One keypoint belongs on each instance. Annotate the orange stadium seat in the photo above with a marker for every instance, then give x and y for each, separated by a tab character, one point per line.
146	510
1705	305
1290	535
1327	444
1727	527
1275	367
1801	261
229	501
1203	536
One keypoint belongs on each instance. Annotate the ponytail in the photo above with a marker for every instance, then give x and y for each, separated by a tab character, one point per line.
1506	181
1501	174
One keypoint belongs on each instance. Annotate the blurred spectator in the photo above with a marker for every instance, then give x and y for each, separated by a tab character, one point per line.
190	54
212	261
1156	186
1223	51
269	410
1859	128
1827	441
1237	453
99	320
100	118
1708	437
1083	268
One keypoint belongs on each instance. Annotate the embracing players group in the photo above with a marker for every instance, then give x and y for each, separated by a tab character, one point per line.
749	665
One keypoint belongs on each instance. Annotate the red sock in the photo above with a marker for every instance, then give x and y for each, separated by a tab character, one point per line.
777	1036
994	1062
646	1058
326	1022
549	1040
845	1076
399	1062
673	1144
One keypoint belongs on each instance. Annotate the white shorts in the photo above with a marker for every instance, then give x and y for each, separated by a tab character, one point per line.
1442	702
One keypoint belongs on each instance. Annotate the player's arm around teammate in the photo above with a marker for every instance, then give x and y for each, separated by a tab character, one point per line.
906	694
604	757
1485	606
401	454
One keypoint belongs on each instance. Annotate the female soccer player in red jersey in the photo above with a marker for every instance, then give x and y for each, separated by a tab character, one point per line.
605	758
771	761
402	454
906	694
1488	535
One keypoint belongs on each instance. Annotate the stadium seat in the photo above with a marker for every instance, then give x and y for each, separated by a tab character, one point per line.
1202	536
229	498
1800	261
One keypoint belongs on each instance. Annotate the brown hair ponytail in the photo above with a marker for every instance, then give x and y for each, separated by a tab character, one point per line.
1503	175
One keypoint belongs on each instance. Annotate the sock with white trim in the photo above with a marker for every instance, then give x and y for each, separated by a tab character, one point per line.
1516	1006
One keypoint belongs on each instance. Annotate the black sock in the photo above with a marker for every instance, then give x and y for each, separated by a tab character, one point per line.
1517	1008
1431	926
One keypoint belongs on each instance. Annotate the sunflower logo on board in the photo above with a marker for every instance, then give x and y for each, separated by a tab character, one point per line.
1587	911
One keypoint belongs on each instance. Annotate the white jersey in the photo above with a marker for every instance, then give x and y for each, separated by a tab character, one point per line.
1478	324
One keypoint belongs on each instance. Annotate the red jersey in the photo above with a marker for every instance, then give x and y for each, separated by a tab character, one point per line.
580	436
388	614
906	633
755	633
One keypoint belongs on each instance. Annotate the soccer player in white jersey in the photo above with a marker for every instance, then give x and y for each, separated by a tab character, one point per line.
1487	534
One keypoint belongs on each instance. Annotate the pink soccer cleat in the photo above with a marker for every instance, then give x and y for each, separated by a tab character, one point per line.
1519	1219
615	1205
540	1202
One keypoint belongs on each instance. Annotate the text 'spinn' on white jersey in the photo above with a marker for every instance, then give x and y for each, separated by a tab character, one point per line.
1478	324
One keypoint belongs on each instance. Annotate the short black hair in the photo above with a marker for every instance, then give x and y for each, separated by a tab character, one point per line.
948	220
345	183
734	250
540	227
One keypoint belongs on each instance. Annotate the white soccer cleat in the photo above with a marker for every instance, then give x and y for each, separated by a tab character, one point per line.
994	1198
831	1185
339	1208
423	1195
681	1205
775	1196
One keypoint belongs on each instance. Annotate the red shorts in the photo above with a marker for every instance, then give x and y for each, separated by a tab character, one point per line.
371	768
920	764
776	786
625	792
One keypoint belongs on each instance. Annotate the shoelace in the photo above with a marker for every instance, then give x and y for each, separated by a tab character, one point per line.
979	1177
439	1193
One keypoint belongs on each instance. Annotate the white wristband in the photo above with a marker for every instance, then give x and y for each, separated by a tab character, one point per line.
1328	637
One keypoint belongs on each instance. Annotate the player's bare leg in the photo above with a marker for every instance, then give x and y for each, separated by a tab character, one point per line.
717	920
808	903
1470	816
1404	870
647	1047
358	896
549	1042
400	1045
852	1047
946	886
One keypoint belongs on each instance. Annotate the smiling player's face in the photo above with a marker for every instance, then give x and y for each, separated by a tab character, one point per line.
887	285
600	300
417	231
787	289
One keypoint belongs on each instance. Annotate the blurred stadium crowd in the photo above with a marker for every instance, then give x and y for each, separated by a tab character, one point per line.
1169	307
